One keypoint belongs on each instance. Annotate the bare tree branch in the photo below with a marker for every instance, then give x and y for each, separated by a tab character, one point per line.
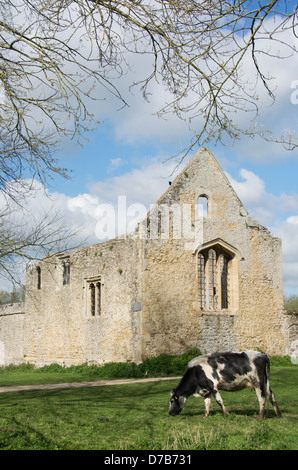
55	54
41	235
58	56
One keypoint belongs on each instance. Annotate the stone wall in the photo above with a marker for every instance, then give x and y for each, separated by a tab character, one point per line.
261	294
60	327
219	333
172	319
170	322
12	333
290	328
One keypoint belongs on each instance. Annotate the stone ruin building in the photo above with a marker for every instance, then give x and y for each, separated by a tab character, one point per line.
198	272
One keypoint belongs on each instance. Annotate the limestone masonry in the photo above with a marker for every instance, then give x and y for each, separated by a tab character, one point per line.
198	272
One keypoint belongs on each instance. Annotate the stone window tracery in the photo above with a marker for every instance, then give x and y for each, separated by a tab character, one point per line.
201	281
215	268
94	298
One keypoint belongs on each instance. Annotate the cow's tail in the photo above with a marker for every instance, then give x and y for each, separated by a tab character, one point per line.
267	381
267	376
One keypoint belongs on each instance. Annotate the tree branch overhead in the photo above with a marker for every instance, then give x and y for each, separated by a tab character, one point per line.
58	57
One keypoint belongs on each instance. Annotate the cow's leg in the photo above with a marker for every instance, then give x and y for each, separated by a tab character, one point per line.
273	401
262	400
207	406
218	399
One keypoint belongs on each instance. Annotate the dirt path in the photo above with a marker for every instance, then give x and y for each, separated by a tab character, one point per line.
97	383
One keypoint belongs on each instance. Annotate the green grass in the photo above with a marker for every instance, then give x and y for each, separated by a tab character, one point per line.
135	416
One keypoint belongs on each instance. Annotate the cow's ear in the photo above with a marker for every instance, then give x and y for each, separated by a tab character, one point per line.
171	392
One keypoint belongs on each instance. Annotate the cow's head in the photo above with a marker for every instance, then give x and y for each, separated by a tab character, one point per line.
176	403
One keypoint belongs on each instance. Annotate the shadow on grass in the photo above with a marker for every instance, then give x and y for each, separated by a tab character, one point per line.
17	435
232	413
136	415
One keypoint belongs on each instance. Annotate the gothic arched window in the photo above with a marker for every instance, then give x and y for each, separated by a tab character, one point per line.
214	278
201	281
212	272
94	297
202	206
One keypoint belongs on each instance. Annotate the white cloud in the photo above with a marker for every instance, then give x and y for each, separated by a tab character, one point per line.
137	123
143	185
116	163
288	232
270	211
83	203
280	115
251	190
264	206
293	220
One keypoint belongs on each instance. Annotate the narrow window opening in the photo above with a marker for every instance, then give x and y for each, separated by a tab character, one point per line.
201	280
38	269
202	206
212	279
66	273
92	299
98	290
224	280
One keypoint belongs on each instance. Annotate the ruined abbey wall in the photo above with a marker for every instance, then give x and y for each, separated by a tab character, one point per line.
210	280
173	319
60	326
12	333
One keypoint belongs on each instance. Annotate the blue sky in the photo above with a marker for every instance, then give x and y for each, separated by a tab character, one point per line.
93	161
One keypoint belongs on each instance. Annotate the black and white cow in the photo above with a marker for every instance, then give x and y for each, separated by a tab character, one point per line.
230	371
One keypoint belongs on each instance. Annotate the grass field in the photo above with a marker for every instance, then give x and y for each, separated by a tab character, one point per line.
135	416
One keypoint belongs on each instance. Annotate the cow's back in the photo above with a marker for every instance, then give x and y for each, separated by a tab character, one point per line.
229	370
